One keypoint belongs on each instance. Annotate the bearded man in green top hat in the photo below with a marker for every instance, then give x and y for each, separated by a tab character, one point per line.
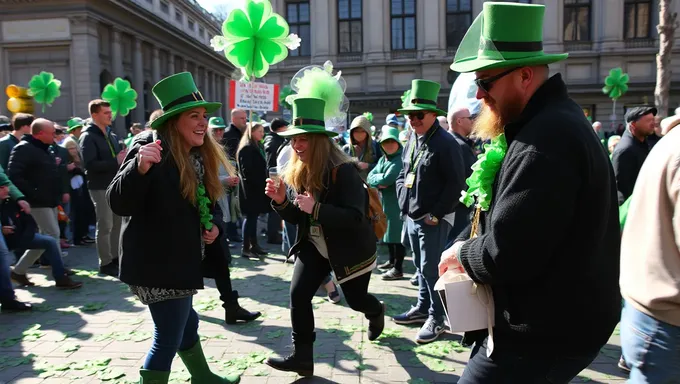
547	241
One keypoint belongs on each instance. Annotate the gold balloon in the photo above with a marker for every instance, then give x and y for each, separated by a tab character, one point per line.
17	105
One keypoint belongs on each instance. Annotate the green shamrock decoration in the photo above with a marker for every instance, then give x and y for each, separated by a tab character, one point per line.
121	96
484	170
254	38
368	116
405	98
44	88
283	94
616	84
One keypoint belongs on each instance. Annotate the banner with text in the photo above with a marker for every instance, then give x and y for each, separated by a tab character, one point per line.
254	96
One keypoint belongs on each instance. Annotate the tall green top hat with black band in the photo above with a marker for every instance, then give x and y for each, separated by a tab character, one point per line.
504	35
308	118
424	94
176	94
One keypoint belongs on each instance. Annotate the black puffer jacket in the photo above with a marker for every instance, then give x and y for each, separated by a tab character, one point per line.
99	156
34	171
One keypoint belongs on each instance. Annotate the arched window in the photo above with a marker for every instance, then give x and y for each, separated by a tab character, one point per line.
104	79
147	101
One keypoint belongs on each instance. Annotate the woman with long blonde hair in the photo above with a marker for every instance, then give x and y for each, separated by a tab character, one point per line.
322	193
166	191
252	166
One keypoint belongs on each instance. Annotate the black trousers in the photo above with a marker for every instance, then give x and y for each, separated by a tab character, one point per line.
273	226
397	253
310	270
508	366
79	214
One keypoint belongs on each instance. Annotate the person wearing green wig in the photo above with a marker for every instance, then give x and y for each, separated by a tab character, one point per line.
384	177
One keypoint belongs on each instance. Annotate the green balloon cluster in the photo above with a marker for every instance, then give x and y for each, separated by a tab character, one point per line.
616	84
484	170
283	94
44	88
121	96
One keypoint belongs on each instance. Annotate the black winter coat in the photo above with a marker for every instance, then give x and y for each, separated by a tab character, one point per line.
24	225
161	231
341	212
253	169
549	244
230	141
33	170
272	143
627	159
99	161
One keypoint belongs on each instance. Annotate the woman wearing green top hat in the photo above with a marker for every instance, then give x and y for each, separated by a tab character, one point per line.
384	177
322	193
166	190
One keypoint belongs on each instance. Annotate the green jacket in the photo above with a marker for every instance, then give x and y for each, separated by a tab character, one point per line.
385	173
14	192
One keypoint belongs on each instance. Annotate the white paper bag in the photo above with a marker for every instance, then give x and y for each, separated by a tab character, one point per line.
468	306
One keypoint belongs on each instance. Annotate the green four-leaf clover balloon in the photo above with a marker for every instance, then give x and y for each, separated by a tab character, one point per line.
121	96
283	94
254	37
406	99
616	84
44	88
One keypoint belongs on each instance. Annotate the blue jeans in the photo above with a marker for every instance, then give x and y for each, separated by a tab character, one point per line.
6	289
52	253
428	242
175	326
651	348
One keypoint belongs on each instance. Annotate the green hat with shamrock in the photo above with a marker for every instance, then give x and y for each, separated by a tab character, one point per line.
504	35
308	118
74	124
216	122
423	97
176	94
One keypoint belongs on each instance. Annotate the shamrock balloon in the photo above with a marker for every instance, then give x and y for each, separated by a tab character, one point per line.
254	38
121	96
283	94
616	84
405	98
44	88
368	116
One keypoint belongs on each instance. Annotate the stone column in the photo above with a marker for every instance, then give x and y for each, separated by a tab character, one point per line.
320	36
210	90
138	76
171	64
85	73
206	84
155	74
427	26
117	54
374	31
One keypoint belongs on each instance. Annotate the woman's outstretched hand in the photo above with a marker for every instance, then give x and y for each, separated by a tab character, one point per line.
275	190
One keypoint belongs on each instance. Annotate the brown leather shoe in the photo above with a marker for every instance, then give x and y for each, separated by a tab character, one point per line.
66	283
21	279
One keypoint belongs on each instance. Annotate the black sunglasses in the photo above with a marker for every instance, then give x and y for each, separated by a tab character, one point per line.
485	84
416	115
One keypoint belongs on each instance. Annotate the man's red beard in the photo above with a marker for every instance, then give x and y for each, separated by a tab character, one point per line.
492	119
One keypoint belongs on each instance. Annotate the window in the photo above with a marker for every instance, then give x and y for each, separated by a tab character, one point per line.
178	16
349	26
403	17
165	7
576	20
191	24
458	20
297	15
637	19
201	31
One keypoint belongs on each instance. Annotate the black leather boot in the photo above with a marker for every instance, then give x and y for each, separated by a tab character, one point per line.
234	313
256	249
301	361
376	324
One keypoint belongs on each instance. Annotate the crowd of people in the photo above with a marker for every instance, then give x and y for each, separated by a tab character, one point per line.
556	218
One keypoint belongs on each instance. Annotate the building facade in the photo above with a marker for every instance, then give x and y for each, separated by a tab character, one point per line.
88	43
381	45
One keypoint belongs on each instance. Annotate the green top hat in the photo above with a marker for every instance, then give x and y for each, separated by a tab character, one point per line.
424	94
74	124
176	94
307	118
389	133
504	35
216	122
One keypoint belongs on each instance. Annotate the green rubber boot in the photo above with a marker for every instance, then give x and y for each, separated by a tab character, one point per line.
153	377
194	360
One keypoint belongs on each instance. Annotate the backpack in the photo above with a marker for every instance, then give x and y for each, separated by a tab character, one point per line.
375	213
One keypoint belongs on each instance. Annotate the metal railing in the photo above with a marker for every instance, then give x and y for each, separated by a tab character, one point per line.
410	54
575	46
350	57
640	43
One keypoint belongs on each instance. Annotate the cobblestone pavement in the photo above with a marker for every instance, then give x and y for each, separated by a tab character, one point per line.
101	334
